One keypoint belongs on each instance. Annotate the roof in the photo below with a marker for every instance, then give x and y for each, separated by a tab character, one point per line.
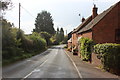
83	24
98	18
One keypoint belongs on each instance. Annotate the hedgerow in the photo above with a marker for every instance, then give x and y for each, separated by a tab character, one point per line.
16	45
110	56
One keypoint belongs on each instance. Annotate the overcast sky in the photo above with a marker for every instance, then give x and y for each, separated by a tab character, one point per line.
65	13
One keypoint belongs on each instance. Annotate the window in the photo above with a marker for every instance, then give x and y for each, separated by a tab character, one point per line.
117	34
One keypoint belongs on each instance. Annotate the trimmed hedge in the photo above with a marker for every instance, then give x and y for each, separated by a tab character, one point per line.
86	48
110	56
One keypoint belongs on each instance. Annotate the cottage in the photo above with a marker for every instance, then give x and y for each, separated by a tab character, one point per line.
102	28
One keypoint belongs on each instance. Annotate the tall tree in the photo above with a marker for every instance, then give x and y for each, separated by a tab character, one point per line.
58	36
4	5
44	23
61	34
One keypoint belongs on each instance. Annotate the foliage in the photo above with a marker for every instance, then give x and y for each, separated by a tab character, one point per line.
58	37
16	46
5	4
39	43
54	40
86	48
66	46
65	40
61	34
7	40
10	44
110	55
47	37
44	23
69	48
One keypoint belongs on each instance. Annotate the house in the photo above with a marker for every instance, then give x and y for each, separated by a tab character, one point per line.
69	40
101	28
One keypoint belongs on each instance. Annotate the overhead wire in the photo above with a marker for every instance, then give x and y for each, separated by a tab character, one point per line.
27	11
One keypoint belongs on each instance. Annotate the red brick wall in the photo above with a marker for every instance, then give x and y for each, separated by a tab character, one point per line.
87	35
104	31
74	39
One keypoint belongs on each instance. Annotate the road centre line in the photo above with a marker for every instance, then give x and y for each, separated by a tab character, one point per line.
37	67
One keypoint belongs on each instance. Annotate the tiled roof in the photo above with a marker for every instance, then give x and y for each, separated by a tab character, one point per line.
83	24
96	20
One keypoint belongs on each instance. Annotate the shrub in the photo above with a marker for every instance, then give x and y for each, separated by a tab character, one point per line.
47	37
66	46
15	45
86	48
39	43
110	55
7	36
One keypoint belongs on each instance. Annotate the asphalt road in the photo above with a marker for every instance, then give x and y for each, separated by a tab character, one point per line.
52	63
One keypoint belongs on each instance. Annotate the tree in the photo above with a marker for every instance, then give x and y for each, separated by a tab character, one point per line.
7	36
44	23
65	40
47	37
61	34
4	5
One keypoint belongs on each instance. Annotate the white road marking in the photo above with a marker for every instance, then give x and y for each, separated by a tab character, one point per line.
38	66
34	69
75	66
29	60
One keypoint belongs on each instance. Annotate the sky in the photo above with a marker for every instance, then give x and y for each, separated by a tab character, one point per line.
65	13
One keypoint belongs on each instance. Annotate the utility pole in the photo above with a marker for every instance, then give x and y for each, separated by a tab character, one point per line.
19	15
66	32
18	33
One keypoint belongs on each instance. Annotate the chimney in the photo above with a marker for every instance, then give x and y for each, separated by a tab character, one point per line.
83	19
94	14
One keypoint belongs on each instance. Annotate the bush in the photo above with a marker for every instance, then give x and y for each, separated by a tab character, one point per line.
86	48
66	46
110	55
54	40
47	37
39	43
7	36
16	46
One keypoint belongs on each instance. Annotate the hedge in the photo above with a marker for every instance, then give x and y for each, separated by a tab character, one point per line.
86	48
110	56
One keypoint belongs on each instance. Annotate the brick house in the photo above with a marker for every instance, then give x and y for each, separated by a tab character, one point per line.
102	28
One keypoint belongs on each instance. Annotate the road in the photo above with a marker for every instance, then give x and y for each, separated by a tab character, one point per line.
52	63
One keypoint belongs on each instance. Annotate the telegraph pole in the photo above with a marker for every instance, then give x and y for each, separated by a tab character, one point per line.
19	15
66	32
18	33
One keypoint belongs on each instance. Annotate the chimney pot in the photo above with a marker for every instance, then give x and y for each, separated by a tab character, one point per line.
94	14
83	19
